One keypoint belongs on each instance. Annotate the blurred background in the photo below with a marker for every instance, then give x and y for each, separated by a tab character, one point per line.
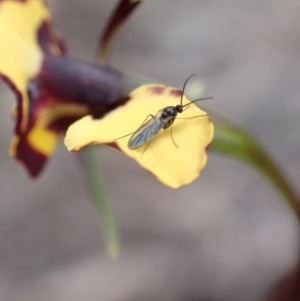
228	236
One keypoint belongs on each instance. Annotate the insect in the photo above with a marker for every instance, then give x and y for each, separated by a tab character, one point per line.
163	119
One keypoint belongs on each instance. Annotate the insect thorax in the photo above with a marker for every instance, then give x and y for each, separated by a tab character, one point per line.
169	112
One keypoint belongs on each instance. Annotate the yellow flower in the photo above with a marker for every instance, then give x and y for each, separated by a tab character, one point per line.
173	165
52	89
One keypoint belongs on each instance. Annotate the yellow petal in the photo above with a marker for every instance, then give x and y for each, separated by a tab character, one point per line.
20	53
173	166
26	37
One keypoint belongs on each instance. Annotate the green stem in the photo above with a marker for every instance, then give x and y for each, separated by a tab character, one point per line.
231	140
97	190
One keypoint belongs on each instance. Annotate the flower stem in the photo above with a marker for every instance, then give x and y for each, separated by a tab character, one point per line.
233	141
98	195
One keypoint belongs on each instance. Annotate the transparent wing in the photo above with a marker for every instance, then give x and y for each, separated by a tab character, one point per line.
146	131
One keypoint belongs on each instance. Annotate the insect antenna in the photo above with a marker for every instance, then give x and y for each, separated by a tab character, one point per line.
192	117
172	137
182	93
188	104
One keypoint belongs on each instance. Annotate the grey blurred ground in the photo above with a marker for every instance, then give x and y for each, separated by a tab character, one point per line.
227	236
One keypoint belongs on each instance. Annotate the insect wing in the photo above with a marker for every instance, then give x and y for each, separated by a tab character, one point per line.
146	131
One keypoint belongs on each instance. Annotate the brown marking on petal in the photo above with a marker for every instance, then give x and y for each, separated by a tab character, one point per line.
175	92
61	124
156	90
114	145
50	41
98	112
207	146
33	160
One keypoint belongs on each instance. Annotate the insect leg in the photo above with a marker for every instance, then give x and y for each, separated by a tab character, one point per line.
145	121
124	136
193	117
171	132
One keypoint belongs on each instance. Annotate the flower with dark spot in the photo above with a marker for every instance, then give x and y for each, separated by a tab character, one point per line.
55	91
52	89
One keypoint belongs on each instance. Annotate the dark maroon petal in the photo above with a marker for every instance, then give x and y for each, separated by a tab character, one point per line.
33	160
50	41
122	12
77	81
58	92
